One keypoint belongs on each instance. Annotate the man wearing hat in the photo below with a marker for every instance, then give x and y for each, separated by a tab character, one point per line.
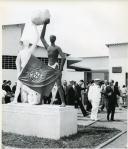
94	96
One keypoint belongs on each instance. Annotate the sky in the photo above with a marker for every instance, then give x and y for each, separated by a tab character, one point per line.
82	27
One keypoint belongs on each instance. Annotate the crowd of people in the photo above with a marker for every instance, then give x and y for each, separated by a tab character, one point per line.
7	92
91	97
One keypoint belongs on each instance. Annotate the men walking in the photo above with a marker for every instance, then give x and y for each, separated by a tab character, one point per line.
94	96
70	98
64	88
111	101
78	98
103	97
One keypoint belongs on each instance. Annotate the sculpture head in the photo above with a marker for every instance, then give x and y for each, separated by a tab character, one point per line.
52	38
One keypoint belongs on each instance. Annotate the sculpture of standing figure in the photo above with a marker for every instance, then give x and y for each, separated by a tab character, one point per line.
53	52
22	59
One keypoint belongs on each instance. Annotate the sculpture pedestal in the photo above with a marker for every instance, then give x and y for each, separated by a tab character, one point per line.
46	121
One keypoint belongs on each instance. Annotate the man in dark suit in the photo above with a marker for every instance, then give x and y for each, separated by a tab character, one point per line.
7	88
78	89
70	98
4	83
64	88
47	99
110	101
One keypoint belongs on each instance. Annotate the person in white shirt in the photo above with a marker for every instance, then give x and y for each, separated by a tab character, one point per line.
54	91
94	96
124	93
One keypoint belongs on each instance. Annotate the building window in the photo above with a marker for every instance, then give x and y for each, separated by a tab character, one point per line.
9	62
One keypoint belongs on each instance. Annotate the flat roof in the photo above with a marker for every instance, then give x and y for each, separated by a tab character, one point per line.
13	24
116	44
100	65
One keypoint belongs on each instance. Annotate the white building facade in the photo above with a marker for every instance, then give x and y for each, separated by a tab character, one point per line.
86	68
118	62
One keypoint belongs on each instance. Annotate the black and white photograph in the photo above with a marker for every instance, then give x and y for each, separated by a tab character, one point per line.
64	74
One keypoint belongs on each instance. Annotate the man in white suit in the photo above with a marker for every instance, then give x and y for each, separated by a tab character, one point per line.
94	96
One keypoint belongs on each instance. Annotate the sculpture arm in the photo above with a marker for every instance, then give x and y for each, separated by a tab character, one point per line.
36	39
42	36
63	59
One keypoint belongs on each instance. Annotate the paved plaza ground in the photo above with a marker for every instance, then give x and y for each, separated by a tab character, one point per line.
119	123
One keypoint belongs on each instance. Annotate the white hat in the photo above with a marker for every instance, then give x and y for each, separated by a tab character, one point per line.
97	79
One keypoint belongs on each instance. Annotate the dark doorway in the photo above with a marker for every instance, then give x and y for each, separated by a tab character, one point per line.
87	76
126	79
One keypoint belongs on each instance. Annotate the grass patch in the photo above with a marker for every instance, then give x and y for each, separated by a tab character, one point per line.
87	137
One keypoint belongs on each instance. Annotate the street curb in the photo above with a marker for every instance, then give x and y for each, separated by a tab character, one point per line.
90	123
110	140
9	147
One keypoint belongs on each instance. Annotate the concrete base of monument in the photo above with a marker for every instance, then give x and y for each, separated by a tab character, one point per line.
46	121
